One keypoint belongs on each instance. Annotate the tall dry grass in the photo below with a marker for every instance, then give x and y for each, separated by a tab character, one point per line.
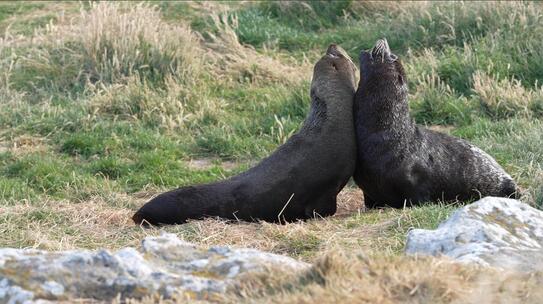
174	106
502	98
116	40
339	276
8	60
106	43
242	62
133	65
352	277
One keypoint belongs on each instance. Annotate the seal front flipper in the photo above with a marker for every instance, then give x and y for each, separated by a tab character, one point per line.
324	205
370	203
158	212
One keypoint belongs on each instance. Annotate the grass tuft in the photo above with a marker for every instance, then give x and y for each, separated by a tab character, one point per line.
507	98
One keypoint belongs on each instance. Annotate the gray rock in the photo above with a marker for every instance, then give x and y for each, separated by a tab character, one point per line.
499	232
163	265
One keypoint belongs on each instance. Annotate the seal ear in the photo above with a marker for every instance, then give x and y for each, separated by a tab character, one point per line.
364	55
400	79
400	73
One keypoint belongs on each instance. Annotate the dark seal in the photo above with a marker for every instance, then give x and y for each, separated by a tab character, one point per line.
299	180
400	163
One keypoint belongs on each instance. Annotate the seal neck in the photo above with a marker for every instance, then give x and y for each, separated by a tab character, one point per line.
323	114
383	112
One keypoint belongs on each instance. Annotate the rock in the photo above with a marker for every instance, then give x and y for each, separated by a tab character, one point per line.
498	232
163	265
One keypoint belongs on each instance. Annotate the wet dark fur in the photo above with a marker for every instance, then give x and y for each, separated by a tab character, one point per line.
309	169
400	163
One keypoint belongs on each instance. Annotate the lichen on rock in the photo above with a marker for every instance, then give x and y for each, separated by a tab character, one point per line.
163	265
493	231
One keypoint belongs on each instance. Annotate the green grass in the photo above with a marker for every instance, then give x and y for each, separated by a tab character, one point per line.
107	125
13	9
97	118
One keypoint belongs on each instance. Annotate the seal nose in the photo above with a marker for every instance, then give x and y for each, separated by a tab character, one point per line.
381	49
333	51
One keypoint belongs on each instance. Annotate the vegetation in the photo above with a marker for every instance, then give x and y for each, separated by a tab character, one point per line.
104	105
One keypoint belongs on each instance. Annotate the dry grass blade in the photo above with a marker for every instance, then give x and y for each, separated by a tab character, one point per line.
506	97
243	62
112	41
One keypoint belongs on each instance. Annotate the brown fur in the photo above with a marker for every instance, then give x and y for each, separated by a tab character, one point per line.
300	180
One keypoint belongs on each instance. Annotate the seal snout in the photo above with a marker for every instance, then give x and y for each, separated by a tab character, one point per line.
381	49
333	51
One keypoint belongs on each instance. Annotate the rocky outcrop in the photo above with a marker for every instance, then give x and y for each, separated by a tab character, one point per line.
163	265
493	231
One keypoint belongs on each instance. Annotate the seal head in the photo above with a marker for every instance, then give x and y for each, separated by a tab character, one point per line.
333	74
381	69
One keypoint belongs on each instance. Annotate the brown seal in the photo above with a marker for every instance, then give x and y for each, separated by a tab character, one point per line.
299	180
400	163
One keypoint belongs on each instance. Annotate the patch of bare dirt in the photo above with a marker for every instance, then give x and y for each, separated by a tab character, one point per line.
349	201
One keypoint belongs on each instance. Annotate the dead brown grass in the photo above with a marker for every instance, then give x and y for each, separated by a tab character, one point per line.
243	63
506	97
25	144
104	221
62	225
349	228
210	162
340	276
346	277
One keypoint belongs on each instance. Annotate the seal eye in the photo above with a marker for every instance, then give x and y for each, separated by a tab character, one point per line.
391	58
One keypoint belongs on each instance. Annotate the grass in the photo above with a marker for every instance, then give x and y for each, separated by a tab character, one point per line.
104	105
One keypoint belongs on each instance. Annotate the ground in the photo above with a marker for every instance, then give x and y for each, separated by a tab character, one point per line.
104	105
